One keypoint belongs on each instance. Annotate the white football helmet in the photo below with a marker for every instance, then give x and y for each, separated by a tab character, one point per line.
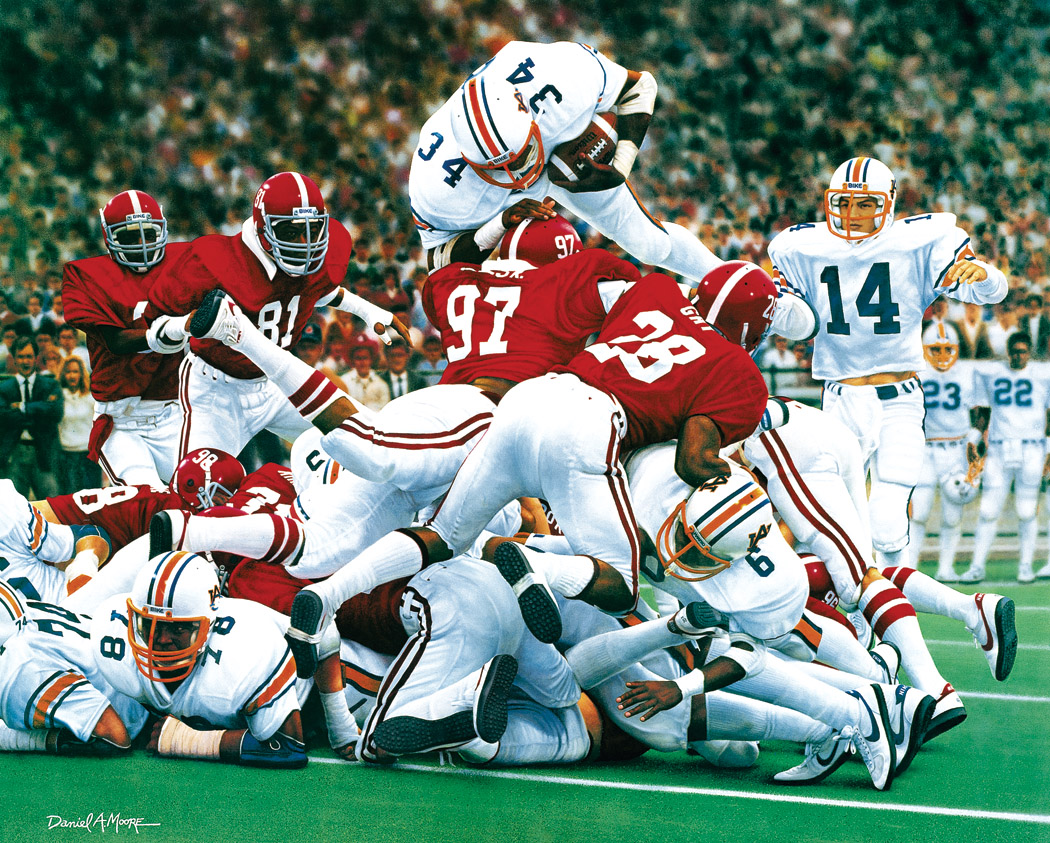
940	345
171	608
958	490
721	521
496	134
860	181
12	611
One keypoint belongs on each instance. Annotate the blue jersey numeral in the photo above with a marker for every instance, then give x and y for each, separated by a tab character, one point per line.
874	301
951	401
1006	392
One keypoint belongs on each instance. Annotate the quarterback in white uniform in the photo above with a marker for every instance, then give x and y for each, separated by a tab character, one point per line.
1018	395
948	386
50	688
480	164
870	279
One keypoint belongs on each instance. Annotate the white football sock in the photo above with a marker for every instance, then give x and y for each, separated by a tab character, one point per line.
949	547
535	735
983	536
841	650
393	556
916	536
935	598
245	535
733	717
781	684
1026	532
841	679
567	575
601	657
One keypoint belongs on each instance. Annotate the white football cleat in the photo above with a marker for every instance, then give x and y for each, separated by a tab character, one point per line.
1025	574
697	620
217	317
871	736
972	574
822	759
946	575
888	657
909	713
997	617
947	714
1044	572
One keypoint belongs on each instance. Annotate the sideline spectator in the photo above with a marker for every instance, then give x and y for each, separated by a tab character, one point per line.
397	376
70	345
73	470
310	349
362	383
433	363
973	334
30	409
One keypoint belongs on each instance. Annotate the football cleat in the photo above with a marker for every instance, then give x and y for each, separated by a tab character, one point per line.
486	720
162	532
216	318
946	575
909	715
947	714
888	657
1044	572
871	736
1025	574
304	633
535	599
972	574
865	634
997	616
697	620
822	759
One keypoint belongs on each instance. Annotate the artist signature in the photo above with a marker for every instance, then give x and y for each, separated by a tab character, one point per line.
100	822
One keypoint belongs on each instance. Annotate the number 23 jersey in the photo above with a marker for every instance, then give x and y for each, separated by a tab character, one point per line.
244	679
870	296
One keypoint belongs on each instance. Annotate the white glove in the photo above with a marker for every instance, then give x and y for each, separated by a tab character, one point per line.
371	314
168	334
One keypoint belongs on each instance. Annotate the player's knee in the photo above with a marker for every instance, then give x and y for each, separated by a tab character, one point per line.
747	652
951	515
648	243
1026	505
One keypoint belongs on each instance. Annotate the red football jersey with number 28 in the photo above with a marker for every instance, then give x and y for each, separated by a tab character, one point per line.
664	363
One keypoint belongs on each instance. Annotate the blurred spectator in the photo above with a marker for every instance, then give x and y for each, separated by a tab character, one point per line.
362	383
36	322
779	356
310	350
1002	325
392	297
55	312
397	376
7	360
73	470
433	362
1034	322
30	410
973	334
7	316
47	351
69	343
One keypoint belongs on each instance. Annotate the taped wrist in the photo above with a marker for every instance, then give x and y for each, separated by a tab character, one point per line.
277	751
490	234
692	683
371	314
624	157
342	729
177	740
13	740
640	98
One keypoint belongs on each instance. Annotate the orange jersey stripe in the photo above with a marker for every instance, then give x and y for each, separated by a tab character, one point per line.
284	678
53	692
364	682
38	531
10	603
810	633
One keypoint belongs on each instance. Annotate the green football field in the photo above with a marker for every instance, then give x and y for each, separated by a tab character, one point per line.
987	780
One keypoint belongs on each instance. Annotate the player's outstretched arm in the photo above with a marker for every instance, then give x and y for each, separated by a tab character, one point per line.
696	458
476	245
383	322
285	749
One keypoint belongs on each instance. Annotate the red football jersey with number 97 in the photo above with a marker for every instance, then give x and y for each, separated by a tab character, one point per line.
664	363
505	320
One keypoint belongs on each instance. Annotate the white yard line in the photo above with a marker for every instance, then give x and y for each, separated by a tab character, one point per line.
982	695
1006	816
935	642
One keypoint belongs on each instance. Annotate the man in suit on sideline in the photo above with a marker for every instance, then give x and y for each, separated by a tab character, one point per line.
397	377
31	407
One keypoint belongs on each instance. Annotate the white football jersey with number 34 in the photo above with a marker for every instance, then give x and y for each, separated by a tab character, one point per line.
870	295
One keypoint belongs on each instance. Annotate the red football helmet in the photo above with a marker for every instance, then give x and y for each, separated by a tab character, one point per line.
540	242
292	223
207	477
738	298
134	230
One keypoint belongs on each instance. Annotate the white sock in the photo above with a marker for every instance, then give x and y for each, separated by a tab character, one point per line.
779	683
733	717
841	679
983	536
245	535
840	649
949	547
393	556
597	659
14	740
1026	531
916	536
567	575
935	598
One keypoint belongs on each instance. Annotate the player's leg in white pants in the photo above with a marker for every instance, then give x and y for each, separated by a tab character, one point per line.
537	735
922	504
995	485
142	448
115	577
416	441
1026	500
620	216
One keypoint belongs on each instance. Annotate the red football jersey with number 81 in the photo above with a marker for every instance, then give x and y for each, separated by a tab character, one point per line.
664	363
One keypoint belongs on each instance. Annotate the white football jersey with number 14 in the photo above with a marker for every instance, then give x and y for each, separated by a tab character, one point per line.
870	295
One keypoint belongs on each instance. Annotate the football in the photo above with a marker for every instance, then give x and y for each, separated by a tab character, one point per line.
597	141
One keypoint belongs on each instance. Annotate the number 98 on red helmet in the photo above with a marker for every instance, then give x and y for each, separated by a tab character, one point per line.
738	300
207	477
